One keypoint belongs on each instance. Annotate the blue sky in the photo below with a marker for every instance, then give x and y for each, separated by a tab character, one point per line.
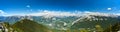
25	6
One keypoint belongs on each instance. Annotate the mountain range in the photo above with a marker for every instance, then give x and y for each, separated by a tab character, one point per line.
87	21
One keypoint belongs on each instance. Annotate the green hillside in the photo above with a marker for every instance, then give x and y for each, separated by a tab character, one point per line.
113	28
29	26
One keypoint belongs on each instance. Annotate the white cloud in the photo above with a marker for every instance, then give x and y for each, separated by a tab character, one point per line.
28	6
2	12
48	13
109	8
97	13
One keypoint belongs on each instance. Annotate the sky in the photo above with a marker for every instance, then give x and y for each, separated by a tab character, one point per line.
14	7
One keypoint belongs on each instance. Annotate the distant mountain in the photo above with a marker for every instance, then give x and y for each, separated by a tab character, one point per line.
90	21
52	22
10	19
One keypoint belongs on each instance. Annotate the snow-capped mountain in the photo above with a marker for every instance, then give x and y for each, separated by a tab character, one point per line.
90	21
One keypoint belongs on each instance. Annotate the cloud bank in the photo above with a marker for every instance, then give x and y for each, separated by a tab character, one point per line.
48	13
55	13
